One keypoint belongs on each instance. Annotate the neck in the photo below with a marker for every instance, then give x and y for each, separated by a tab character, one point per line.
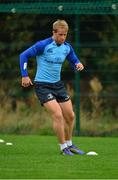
58	44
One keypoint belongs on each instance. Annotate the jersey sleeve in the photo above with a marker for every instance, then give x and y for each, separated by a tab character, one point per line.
33	51
72	58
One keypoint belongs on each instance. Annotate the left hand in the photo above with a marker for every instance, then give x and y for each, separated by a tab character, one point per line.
79	67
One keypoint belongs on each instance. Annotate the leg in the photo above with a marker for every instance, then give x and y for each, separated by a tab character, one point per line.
57	116
68	115
58	124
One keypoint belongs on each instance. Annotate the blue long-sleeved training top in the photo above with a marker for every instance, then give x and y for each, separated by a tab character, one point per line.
50	57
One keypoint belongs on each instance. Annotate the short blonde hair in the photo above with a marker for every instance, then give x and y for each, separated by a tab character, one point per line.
60	24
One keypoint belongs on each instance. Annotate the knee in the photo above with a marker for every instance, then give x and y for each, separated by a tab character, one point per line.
72	116
58	115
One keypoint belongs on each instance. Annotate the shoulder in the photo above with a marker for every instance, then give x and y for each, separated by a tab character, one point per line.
66	43
40	45
45	42
69	47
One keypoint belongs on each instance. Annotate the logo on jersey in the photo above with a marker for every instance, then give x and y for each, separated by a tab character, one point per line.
50	50
25	66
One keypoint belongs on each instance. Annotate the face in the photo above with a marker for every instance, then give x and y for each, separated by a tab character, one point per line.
60	36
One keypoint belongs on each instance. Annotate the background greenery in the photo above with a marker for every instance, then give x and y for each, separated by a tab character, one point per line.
20	111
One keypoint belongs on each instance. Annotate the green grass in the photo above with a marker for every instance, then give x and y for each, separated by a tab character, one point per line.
38	157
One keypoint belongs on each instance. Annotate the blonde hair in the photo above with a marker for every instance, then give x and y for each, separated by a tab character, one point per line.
60	24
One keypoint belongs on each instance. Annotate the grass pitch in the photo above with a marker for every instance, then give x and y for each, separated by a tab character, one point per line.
38	157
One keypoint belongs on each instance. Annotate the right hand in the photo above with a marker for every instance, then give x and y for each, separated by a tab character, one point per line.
26	81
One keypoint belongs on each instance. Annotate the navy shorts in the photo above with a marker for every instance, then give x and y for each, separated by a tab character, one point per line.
50	91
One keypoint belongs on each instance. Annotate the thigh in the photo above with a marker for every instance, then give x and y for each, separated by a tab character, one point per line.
53	107
67	109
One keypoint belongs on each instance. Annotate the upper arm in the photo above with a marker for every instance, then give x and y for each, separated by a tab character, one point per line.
32	51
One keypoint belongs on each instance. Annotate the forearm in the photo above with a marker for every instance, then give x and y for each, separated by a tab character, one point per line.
23	65
24	57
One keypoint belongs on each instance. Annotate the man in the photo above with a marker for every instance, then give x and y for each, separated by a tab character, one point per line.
50	54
